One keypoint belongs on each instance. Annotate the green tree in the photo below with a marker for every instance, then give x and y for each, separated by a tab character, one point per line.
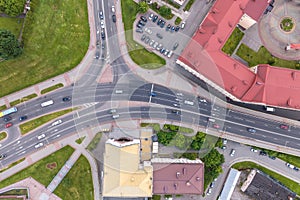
143	7
165	11
9	45
12	7
213	159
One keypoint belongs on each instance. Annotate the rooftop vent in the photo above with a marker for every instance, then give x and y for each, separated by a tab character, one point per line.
197	178
175	186
215	10
230	24
245	82
233	88
184	170
188	183
290	102
294	75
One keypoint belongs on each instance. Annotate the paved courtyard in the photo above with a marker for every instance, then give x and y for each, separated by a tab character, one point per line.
275	39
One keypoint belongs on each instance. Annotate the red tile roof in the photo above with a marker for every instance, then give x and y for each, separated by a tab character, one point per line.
204	55
178	178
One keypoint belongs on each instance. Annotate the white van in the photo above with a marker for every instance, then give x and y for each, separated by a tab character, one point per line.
269	109
57	122
119	91
170	54
41	136
116	116
47	103
191	103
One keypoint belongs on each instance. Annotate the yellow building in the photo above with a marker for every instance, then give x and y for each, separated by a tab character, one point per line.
124	174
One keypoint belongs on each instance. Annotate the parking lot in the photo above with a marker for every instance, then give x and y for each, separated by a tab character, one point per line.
159	35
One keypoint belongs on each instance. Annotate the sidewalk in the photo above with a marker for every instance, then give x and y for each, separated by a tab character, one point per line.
68	77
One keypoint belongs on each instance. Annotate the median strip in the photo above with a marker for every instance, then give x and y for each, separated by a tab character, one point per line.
33	124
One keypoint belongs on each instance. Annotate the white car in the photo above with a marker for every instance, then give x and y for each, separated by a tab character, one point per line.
148	30
38	145
40	136
179	94
209	191
113	9
57	122
182	25
224	141
253	150
102	24
232	152
290	165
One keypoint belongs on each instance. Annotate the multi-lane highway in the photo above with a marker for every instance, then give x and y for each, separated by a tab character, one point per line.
161	103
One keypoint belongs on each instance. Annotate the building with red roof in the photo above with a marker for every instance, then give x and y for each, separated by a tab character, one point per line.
204	58
177	176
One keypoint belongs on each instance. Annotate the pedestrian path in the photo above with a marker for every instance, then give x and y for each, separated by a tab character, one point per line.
64	171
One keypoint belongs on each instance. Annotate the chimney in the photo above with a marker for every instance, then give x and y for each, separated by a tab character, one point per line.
175	186
177	174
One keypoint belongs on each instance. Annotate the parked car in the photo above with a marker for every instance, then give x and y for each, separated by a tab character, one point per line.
262	153
224	141
101	15
254	150
182	25
223	147
7	118
155	18
143	37
22	118
147	40
151	15
114	18
212	184
144	19
141	23
209	191
175	46
232	152
8	125
113	9
151	42
138	30
159	22
168	27
177	28
162	24
159	47
139	26
159	35
172	29
148	30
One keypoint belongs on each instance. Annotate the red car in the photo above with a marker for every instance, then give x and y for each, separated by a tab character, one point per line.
8	125
216	126
283	126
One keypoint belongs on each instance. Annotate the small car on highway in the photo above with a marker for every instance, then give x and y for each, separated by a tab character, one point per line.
7	118
114	18
65	99
251	130
22	118
8	125
57	122
40	136
283	126
2	156
38	145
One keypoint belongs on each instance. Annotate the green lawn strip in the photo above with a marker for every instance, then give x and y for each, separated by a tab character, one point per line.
12	164
156	197
94	142
233	41
12	24
27	98
39	170
263	56
33	124
138	53
3	135
54	87
154	6
172	3
292	185
80	140
78	183
15	192
56	37
3	107
188	5
178	20
179	129
155	126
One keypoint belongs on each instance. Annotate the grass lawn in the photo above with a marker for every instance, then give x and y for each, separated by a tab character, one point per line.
33	124
188	5
56	38
178	20
292	185
233	41
3	107
39	171
263	56
138	53
80	140
92	145
54	87
27	98
78	183
3	135
14	25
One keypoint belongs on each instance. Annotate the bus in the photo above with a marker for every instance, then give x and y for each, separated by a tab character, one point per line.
8	111
47	103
